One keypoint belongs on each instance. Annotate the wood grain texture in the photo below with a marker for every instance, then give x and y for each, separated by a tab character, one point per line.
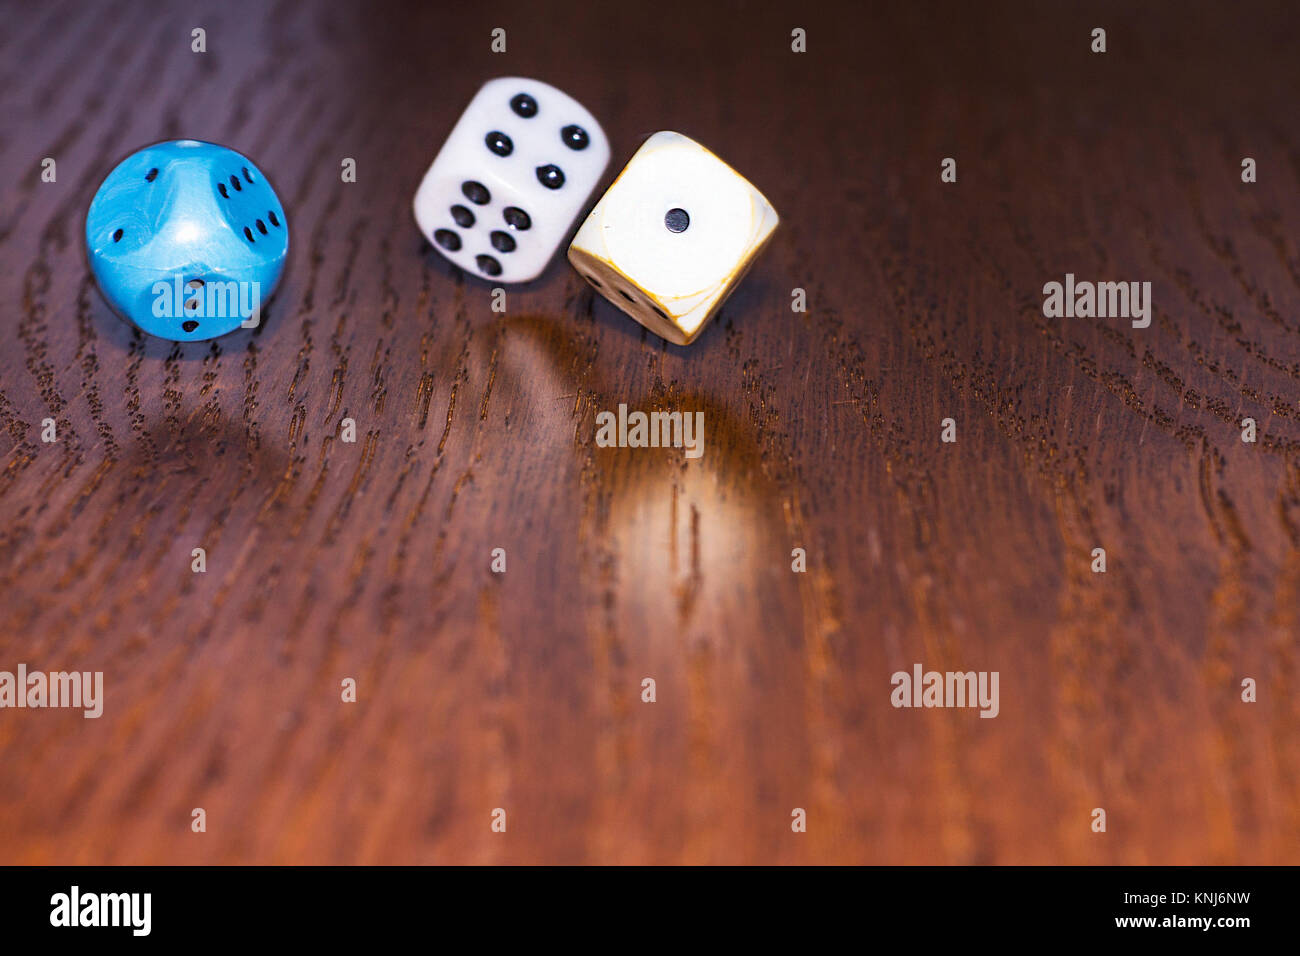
476	431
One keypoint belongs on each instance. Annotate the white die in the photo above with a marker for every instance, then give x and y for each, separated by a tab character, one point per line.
673	236
511	178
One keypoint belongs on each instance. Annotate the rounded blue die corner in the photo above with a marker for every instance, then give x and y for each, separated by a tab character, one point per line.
187	240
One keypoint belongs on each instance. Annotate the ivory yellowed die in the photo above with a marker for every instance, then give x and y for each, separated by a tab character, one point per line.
673	236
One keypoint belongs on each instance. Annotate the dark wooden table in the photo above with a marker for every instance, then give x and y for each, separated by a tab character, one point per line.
475	431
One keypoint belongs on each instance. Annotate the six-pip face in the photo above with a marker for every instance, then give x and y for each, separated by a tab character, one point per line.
510	180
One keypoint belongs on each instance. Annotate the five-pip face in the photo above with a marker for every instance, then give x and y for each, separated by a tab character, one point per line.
511	179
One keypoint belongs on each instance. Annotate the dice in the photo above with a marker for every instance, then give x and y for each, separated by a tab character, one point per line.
187	240
510	180
673	236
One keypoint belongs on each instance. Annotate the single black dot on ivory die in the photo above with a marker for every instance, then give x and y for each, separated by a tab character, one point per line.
676	220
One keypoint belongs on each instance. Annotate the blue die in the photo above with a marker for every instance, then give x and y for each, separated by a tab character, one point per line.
187	240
